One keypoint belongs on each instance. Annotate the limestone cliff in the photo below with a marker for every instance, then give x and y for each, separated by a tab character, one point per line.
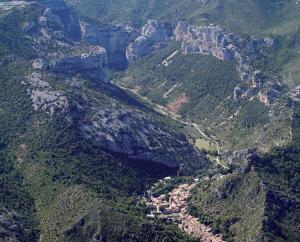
74	51
87	61
133	134
154	35
59	20
208	40
215	41
114	39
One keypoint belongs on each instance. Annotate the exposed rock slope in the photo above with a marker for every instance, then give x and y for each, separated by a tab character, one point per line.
210	40
114	39
77	54
154	36
133	134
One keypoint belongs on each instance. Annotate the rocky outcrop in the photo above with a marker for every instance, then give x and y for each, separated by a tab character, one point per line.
134	135
60	21
237	92
268	95
88	61
245	159
39	64
239	156
57	39
154	36
295	94
7	6
206	40
43	97
122	129
114	39
213	40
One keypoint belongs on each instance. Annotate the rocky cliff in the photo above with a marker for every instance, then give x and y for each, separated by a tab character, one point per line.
114	39
88	61
59	20
133	134
210	40
124	44
72	51
57	39
154	36
215	41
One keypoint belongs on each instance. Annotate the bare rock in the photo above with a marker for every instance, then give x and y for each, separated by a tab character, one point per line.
39	64
154	35
114	39
134	135
237	92
43	97
58	17
89	61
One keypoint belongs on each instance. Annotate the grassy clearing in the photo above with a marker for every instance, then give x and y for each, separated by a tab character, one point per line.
203	144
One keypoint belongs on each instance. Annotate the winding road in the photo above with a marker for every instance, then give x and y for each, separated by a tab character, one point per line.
164	111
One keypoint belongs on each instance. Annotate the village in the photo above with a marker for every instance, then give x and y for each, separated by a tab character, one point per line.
172	207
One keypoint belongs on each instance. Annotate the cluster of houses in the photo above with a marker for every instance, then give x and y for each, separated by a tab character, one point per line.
172	207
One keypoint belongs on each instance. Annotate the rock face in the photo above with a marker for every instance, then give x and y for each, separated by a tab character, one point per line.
115	46
154	35
132	134
87	61
268	96
60	20
206	40
43	97
213	40
59	28
6	6
124	129
114	39
39	64
237	92
240	156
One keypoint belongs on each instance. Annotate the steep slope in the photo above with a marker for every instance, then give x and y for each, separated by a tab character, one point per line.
51	177
250	16
231	98
252	104
135	11
261	18
57	173
78	150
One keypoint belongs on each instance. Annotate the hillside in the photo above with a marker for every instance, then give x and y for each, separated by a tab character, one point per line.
248	16
261	18
102	100
55	180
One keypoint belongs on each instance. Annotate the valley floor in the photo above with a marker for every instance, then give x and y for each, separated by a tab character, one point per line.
164	111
